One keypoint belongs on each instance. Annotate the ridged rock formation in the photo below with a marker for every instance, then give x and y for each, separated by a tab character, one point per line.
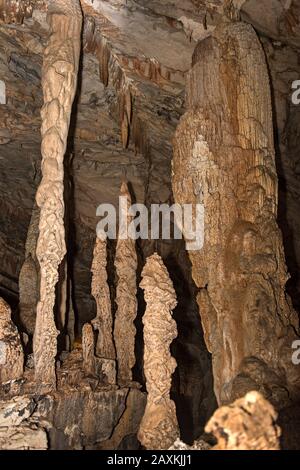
126	267
159	427
59	81
100	291
224	158
11	352
247	424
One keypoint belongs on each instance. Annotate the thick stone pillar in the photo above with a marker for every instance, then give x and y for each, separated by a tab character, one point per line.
224	158
159	426
126	267
59	81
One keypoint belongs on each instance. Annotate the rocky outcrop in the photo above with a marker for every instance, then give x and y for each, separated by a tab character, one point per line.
224	158
248	424
11	351
59	81
159	426
126	269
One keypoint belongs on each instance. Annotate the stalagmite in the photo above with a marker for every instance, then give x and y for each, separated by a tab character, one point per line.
29	276
247	424
70	320
100	291
59	81
126	267
224	158
159	427
88	349
11	352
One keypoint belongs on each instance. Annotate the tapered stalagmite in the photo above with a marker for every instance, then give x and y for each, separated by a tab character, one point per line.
126	267
247	424
29	276
159	427
224	158
59	80
100	291
11	352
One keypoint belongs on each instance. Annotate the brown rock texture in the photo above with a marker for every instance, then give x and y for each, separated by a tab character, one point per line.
126	267
59	81
11	351
159	427
224	158
88	349
247	424
29	276
100	290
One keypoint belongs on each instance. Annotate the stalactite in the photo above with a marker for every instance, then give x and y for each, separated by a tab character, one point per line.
159	426
246	424
11	352
88	349
59	81
103	54
29	276
124	331
125	103
224	158
100	291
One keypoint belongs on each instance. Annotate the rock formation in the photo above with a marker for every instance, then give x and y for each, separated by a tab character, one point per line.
100	291
88	349
59	80
11	352
126	267
159	427
29	276
247	424
224	158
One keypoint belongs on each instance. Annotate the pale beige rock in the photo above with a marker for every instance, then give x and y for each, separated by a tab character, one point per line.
197	445
59	81
159	426
88	349
100	290
106	370
247	424
124	329
224	158
11	351
23	437
13	412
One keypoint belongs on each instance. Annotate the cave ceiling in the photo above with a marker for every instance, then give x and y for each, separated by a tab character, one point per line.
135	53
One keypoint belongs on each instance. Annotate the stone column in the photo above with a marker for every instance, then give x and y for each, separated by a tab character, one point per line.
159	426
126	267
59	81
224	158
100	291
